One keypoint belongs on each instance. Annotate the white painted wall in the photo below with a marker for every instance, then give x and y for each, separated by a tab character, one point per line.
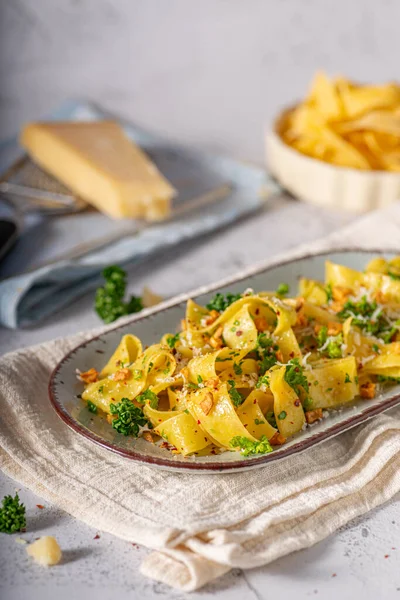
209	72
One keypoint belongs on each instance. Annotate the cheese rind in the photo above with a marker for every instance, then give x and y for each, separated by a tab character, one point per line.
99	163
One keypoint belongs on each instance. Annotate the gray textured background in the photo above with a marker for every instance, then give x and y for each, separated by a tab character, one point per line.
212	73
209	72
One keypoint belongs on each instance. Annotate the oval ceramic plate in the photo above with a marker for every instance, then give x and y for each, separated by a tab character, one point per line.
64	388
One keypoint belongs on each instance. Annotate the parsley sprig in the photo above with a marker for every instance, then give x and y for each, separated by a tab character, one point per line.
109	301
128	417
12	515
221	302
249	448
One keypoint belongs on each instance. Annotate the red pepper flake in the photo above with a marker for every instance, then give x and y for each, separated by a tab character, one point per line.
213	452
278	312
297	402
40	506
198	422
245	425
333	574
135	545
291	354
205	439
239	333
257	311
96	537
254	401
393	548
387	555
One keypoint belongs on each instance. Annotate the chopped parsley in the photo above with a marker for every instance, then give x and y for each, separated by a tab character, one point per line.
199	379
394	276
12	515
172	340
150	396
191	385
329	292
237	368
375	348
263	380
282	415
109	300
259	422
101	389
334	346
91	407
386	379
362	313
282	289
249	448
308	403
347	378
270	416
266	352
294	376
235	396
129	417
221	302
137	374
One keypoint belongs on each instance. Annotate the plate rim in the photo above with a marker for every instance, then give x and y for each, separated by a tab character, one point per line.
242	463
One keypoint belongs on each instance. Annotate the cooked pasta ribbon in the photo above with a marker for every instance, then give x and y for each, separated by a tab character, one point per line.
257	367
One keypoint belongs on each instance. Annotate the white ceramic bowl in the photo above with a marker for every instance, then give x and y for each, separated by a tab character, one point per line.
315	181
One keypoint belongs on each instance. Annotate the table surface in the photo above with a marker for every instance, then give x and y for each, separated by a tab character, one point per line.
361	560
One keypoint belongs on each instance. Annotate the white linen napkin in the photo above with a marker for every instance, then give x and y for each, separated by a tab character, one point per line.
199	526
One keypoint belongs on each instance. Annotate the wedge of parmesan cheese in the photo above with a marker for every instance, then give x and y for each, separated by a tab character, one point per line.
99	163
45	551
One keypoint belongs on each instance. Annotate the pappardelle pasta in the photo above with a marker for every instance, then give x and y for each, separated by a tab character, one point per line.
250	370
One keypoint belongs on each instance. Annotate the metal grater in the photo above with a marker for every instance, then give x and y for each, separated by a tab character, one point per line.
29	188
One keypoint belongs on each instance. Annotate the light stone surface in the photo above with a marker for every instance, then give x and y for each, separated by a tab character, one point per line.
208	73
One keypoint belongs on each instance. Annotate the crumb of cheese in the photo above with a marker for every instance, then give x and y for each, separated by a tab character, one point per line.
45	551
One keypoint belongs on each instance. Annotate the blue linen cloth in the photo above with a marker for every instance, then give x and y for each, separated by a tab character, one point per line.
27	298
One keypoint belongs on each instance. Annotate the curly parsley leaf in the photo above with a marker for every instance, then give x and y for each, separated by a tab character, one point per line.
294	376
266	352
236	397
150	396
237	367
109	300
329	292
12	515
249	448
270	416
282	289
221	302
334	346
128	417
91	407
172	340
367	316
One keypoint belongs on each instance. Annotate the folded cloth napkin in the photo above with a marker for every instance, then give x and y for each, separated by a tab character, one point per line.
27	298
199	526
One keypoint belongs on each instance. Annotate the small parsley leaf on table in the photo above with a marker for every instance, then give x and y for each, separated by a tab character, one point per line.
12	515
